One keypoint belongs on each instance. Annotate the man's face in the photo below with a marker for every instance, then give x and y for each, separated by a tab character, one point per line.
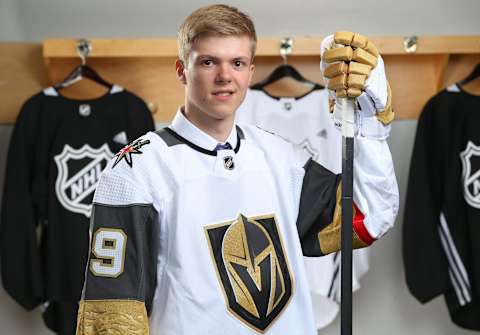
217	76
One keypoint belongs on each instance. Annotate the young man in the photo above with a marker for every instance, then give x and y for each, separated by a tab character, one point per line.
200	228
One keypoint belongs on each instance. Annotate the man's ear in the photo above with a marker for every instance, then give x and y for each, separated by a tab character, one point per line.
252	71
180	70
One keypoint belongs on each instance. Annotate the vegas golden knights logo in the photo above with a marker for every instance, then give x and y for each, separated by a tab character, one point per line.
252	268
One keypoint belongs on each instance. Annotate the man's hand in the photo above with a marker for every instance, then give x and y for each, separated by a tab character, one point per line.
352	67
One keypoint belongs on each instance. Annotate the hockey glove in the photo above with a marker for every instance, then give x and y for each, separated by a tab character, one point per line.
352	67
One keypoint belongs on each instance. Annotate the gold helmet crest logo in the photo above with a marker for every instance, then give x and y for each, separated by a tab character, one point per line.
252	267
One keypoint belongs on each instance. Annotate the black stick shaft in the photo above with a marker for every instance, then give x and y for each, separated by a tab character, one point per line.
346	107
347	236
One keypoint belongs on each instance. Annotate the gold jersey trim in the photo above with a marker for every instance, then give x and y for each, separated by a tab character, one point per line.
329	237
105	317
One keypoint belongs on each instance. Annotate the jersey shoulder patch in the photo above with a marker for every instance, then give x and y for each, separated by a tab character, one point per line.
127	152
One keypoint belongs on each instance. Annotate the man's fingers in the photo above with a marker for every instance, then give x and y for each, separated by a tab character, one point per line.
338	54
337	83
354	92
356	41
371	49
347	85
347	54
350	58
335	69
356	81
359	68
348	93
344	37
364	57
338	68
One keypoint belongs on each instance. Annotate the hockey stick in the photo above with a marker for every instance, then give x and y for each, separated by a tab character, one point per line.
347	109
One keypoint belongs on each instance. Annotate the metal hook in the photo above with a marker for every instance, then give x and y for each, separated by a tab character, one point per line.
410	44
84	47
286	46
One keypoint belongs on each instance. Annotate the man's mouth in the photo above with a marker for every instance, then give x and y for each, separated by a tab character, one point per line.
223	93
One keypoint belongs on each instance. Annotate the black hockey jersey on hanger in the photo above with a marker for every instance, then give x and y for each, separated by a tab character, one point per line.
441	228
57	150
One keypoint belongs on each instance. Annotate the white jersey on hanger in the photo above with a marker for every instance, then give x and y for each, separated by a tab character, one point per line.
306	121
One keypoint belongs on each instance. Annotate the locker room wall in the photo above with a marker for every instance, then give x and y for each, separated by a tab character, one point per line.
383	304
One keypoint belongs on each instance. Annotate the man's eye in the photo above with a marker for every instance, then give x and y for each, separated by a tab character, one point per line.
208	62
239	63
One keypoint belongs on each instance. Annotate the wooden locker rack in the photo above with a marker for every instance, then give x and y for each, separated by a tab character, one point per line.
146	67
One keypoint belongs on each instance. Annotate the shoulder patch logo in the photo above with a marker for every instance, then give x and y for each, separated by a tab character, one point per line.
471	174
129	150
78	174
252	268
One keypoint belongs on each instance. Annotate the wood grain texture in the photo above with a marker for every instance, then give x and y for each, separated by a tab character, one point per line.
22	74
146	67
267	46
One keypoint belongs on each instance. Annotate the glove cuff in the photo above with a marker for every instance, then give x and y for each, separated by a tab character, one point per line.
367	124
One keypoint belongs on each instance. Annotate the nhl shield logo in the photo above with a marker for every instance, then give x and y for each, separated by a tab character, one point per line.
471	174
228	162
78	174
252	268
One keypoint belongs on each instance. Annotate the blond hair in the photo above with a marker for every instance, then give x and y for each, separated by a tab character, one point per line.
214	20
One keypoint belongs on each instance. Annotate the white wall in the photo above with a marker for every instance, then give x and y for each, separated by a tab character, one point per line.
153	18
9	22
383	305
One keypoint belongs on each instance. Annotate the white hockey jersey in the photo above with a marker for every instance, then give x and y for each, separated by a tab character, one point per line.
306	121
211	242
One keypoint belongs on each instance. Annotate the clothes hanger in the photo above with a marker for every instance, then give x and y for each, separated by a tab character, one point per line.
83	70
285	71
282	71
472	76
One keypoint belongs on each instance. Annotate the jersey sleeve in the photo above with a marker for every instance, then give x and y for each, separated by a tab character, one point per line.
375	200
121	272
20	249
423	254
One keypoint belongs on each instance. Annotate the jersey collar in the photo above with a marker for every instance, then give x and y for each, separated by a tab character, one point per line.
186	129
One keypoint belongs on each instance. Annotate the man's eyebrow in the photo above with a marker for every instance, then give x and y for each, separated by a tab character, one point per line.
206	56
243	58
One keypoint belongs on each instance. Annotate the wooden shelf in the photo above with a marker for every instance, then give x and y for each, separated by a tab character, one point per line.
146	67
267	46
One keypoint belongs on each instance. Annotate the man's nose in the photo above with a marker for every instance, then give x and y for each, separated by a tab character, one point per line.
223	73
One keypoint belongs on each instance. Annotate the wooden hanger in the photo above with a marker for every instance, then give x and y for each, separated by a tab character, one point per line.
471	84
283	71
285	80
472	76
83	70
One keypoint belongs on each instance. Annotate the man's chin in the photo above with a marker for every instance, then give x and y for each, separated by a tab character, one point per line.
223	113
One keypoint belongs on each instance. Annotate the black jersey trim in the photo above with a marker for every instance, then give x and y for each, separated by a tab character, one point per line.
168	137
125	206
172	138
240	134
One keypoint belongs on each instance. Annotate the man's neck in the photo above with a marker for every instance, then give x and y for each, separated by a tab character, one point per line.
218	129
